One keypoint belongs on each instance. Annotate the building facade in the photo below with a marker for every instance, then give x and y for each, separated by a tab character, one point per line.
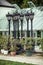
37	22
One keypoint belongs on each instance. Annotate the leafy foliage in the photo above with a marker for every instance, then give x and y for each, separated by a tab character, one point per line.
38	2
3	41
23	3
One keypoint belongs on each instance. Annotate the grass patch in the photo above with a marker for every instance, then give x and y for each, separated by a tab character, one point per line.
5	62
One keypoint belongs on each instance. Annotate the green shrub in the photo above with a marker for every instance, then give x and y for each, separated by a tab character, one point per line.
3	42
42	44
13	43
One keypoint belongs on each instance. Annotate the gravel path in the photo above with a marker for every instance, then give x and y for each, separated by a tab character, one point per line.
24	59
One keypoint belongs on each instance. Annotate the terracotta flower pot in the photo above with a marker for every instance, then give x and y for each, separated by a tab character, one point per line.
12	53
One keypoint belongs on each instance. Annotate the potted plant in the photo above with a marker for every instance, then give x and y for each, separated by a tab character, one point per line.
1	44
22	41
4	45
42	44
13	50
5	41
13	47
5	50
28	49
38	46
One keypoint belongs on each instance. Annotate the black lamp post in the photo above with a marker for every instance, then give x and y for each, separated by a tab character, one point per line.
21	18
27	18
31	16
9	19
16	17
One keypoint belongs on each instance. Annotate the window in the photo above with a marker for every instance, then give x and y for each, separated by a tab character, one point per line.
5	33
28	33
38	33
0	33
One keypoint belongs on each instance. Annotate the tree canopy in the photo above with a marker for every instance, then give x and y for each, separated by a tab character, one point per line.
23	3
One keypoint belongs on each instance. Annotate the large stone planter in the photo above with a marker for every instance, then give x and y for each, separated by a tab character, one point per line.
38	49
28	53
5	52
2	51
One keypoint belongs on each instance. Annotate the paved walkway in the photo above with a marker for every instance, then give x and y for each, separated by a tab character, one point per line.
24	59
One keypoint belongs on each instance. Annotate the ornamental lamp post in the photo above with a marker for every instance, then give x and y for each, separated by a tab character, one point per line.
9	19
16	17
27	18
31	16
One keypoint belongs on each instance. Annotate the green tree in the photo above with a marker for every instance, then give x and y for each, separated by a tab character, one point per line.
24	4
37	2
21	3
